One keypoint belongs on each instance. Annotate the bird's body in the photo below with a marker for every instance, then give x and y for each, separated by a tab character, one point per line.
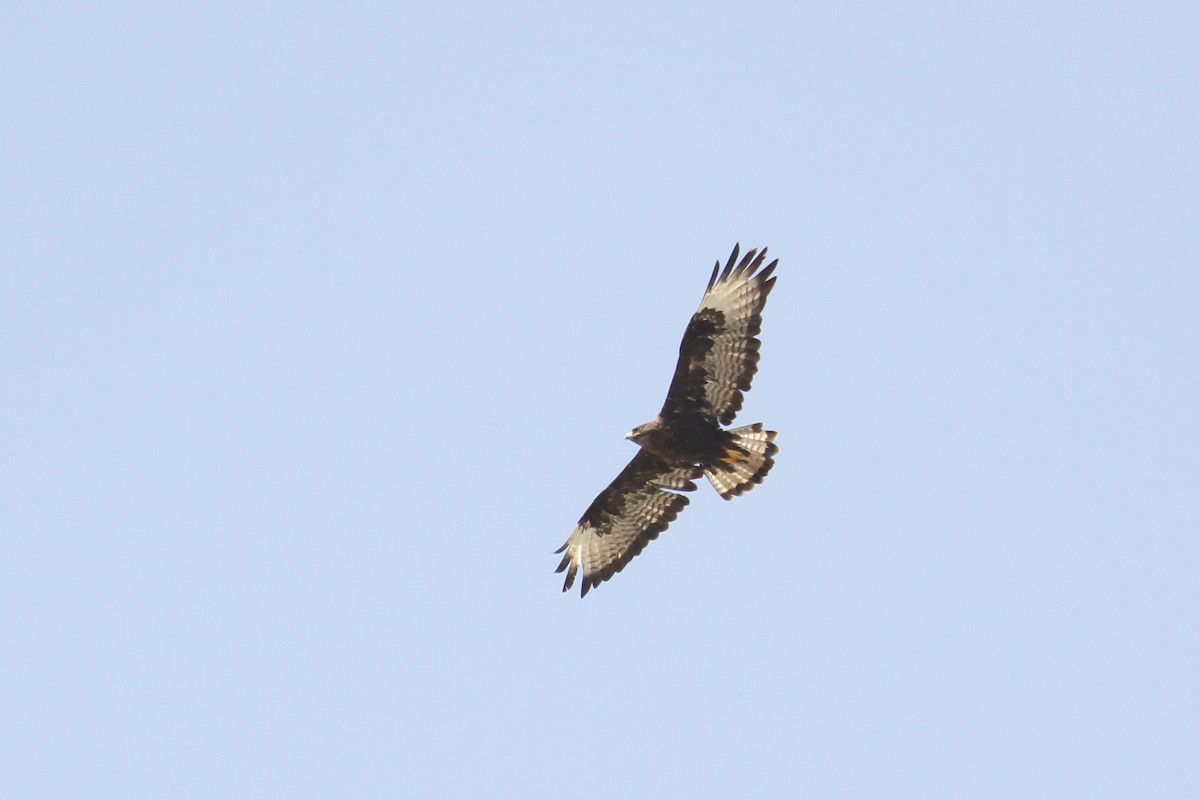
685	440
717	360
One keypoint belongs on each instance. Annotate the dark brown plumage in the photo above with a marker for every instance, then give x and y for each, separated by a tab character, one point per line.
717	361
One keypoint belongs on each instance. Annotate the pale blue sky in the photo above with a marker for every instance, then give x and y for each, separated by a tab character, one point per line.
321	326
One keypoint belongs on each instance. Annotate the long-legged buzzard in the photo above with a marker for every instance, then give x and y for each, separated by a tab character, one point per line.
717	360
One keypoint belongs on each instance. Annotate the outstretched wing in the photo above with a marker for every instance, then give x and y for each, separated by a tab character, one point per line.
633	510
719	353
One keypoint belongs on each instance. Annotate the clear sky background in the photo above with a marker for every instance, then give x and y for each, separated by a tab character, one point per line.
322	325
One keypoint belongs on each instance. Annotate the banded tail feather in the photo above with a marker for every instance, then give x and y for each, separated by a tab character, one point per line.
747	460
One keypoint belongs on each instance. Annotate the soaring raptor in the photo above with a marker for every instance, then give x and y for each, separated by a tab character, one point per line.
717	360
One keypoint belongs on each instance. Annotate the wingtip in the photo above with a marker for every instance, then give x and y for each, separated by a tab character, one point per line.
737	248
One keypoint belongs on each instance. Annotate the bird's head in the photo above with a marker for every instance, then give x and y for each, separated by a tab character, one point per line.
639	433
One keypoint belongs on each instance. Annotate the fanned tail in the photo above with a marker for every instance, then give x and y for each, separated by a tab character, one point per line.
746	460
